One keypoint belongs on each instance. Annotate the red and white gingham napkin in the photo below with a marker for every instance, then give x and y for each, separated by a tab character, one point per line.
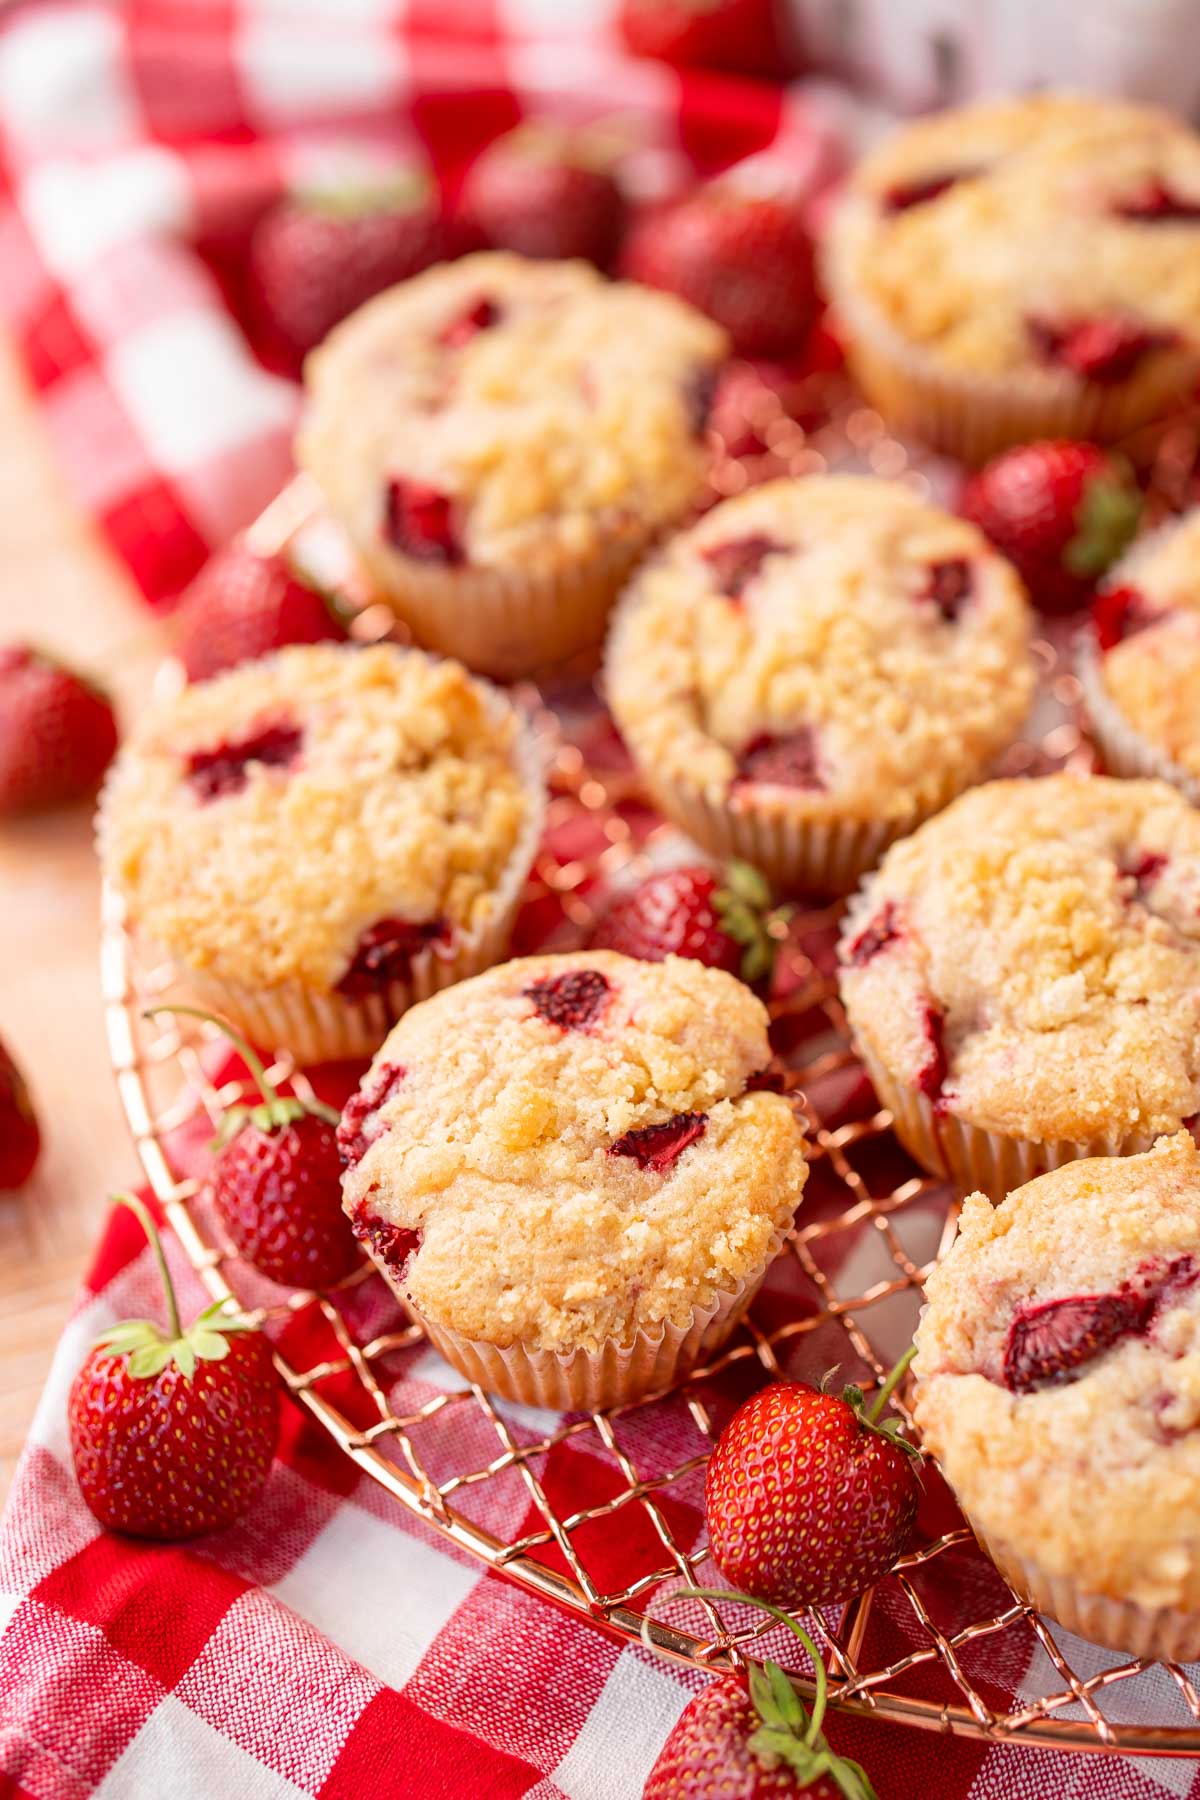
329	1644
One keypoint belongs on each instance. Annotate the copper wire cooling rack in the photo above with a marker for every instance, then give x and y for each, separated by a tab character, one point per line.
941	1643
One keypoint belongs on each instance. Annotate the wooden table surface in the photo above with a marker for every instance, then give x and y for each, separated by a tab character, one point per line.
62	588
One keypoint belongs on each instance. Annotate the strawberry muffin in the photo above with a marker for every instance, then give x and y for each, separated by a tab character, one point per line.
1023	269
567	1171
1022	976
1140	662
502	439
315	840
816	667
1058	1361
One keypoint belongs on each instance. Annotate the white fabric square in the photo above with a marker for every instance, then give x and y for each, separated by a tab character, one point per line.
290	73
176	1753
64	81
637	1707
76	212
382	1596
192	390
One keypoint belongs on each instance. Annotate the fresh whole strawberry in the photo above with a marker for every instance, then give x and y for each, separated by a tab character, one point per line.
57	731
173	1433
809	1497
20	1139
740	37
276	1184
242	606
744	259
1062	512
547	192
749	1736
726	923
318	256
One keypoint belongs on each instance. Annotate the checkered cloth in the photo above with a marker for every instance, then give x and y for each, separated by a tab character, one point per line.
330	1644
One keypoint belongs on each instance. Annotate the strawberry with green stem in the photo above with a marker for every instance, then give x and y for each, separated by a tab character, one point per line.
173	1432
749	1736
727	922
276	1184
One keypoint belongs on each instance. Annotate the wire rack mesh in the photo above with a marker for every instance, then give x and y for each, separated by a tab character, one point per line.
603	1513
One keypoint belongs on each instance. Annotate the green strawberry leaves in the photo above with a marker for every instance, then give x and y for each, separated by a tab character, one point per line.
743	905
1105	522
146	1347
274	1111
869	1418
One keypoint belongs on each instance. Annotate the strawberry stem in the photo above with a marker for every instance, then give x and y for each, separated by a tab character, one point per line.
141	1213
821	1683
249	1056
890	1385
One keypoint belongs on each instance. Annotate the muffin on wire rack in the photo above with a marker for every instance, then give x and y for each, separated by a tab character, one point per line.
1020	976
502	440
315	840
1058	1384
565	1169
816	667
1022	269
1139	661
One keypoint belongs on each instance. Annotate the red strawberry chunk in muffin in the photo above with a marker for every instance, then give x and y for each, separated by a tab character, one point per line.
1105	349
903	194
385	952
1145	871
1052	1341
950	586
1122	613
470	322
875	936
223	769
789	761
1156	202
656	1147
392	1244
418	521
354	1133
931	1075
573	1001
737	562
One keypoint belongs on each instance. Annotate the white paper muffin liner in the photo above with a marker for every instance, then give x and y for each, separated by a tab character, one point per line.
1164	1633
318	1026
1125	751
511	622
797	854
975	1158
974	416
588	1381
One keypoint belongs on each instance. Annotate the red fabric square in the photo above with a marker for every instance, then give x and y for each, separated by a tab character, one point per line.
396	1751
54	342
158	1604
153	534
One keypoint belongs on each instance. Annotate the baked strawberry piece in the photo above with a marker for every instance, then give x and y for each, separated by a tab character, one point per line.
58	731
173	1432
544	191
1058	1358
242	606
744	259
316	257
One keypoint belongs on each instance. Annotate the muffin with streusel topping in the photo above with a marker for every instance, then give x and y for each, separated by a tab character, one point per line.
1140	660
565	1169
502	439
1022	976
1058	1384
1023	269
317	839
816	667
